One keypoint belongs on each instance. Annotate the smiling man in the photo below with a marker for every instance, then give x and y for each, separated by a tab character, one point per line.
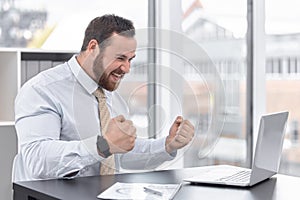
70	121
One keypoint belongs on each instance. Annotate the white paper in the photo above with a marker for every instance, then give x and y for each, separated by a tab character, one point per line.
136	191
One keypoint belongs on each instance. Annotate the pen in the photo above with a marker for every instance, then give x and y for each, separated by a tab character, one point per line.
152	191
175	191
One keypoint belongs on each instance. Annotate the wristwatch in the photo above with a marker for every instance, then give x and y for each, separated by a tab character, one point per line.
103	146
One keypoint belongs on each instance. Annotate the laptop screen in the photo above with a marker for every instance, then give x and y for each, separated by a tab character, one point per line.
270	141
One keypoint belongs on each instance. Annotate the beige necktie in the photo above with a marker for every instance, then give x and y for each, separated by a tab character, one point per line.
108	165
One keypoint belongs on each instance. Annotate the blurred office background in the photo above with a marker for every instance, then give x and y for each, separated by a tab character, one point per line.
253	46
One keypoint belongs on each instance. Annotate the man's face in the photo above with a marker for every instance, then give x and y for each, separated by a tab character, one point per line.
113	62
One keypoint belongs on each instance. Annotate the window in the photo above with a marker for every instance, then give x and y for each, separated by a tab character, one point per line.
283	75
59	25
206	81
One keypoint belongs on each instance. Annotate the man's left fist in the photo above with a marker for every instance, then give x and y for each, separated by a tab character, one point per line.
180	134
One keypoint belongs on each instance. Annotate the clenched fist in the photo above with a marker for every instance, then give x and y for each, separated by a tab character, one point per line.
180	134
120	135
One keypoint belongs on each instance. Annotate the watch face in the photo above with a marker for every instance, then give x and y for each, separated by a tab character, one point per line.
103	146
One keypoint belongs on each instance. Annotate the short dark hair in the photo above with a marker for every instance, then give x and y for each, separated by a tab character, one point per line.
101	28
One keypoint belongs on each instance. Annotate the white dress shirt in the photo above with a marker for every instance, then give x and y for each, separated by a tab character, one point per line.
57	123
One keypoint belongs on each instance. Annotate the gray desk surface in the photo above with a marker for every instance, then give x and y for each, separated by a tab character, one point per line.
278	187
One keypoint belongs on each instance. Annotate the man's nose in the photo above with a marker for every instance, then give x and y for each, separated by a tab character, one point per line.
125	67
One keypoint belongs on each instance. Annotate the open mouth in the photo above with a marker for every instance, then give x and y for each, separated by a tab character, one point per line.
117	77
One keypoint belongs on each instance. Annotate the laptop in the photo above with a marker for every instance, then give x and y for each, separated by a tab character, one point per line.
266	159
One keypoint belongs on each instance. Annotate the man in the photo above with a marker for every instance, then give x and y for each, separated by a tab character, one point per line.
60	126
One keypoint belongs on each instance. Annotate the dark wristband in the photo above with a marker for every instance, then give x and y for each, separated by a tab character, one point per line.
103	146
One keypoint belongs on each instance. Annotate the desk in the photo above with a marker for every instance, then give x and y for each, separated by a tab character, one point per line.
279	187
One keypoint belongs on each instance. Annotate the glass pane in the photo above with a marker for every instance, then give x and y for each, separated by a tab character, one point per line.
209	83
283	74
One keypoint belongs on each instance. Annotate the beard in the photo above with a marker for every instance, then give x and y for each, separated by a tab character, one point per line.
102	75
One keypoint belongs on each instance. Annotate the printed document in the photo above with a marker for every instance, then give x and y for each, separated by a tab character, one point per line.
141	191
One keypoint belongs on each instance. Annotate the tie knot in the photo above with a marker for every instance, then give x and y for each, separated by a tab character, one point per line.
99	93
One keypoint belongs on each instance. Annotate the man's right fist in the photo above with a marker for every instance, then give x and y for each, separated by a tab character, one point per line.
120	135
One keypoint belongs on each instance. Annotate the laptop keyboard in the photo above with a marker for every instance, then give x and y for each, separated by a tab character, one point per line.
241	176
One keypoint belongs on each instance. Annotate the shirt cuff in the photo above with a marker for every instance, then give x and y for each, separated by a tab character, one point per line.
91	146
159	146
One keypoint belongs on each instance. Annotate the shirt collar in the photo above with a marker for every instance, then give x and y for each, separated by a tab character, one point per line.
84	79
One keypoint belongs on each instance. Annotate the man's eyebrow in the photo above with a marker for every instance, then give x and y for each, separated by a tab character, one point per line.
124	56
132	57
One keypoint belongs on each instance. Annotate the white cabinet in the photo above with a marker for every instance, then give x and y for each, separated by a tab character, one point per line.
9	84
16	67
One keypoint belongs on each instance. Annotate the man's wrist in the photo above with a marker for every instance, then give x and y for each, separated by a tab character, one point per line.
168	148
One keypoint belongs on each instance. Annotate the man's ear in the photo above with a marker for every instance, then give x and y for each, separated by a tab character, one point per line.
93	45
